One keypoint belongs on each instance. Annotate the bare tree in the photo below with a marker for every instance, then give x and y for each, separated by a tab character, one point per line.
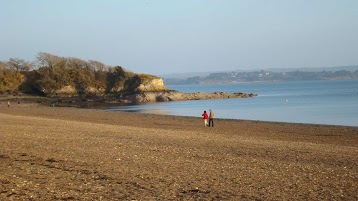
98	66
19	64
48	60
78	63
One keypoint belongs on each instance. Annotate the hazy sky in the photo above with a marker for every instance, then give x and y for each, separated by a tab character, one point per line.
162	36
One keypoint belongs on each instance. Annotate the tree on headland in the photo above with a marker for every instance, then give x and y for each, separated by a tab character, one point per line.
98	66
56	73
52	75
10	80
48	60
116	78
19	64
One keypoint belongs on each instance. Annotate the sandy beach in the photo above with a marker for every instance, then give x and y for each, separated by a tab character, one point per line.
52	153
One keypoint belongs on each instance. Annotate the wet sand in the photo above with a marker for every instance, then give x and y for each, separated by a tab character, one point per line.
83	154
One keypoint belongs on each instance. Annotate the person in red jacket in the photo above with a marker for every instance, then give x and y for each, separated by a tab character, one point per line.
206	118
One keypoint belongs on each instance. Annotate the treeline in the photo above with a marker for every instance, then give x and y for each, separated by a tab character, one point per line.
262	76
54	75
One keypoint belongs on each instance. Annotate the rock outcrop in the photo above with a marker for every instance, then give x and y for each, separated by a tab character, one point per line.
155	84
172	95
66	90
144	83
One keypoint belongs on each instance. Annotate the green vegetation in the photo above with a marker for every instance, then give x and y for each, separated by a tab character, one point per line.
51	75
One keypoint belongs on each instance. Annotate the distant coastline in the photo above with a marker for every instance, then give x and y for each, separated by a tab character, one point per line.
269	75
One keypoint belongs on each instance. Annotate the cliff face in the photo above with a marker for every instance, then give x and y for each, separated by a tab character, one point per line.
144	83
155	84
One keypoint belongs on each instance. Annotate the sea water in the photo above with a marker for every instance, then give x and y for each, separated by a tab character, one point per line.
332	102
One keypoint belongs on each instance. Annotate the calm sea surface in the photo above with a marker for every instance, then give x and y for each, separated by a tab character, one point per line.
316	102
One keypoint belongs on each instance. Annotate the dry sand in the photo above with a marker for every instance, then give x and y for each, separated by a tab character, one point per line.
82	154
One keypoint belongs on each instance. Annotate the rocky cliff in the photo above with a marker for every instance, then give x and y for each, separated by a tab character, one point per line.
155	84
144	83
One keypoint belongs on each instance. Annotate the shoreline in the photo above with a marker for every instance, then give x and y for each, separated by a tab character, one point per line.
230	119
76	103
74	153
95	103
224	119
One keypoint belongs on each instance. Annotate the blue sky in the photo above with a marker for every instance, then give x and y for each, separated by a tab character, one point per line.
161	36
